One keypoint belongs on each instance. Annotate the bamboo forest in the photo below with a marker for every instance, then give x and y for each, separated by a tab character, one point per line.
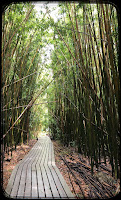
60	75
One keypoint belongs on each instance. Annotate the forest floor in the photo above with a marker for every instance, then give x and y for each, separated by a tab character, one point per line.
10	162
74	167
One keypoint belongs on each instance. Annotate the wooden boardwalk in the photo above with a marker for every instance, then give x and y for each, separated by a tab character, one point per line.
37	176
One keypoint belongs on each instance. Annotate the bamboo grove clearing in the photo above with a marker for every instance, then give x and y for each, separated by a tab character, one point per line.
60	72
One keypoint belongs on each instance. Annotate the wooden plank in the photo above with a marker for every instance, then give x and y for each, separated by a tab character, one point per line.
28	182
13	175
41	191
13	184
63	182
54	190
37	176
61	179
22	182
34	174
34	184
36	157
45	183
27	178
11	180
16	182
24	174
58	183
49	156
53	157
40	156
44	154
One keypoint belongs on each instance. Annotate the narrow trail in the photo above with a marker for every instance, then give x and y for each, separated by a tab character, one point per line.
37	176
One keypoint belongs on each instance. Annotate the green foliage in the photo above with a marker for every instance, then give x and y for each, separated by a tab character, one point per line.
79	52
84	87
22	47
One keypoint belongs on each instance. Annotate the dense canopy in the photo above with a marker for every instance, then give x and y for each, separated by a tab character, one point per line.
60	72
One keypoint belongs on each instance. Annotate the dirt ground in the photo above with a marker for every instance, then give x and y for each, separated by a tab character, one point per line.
10	162
71	157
